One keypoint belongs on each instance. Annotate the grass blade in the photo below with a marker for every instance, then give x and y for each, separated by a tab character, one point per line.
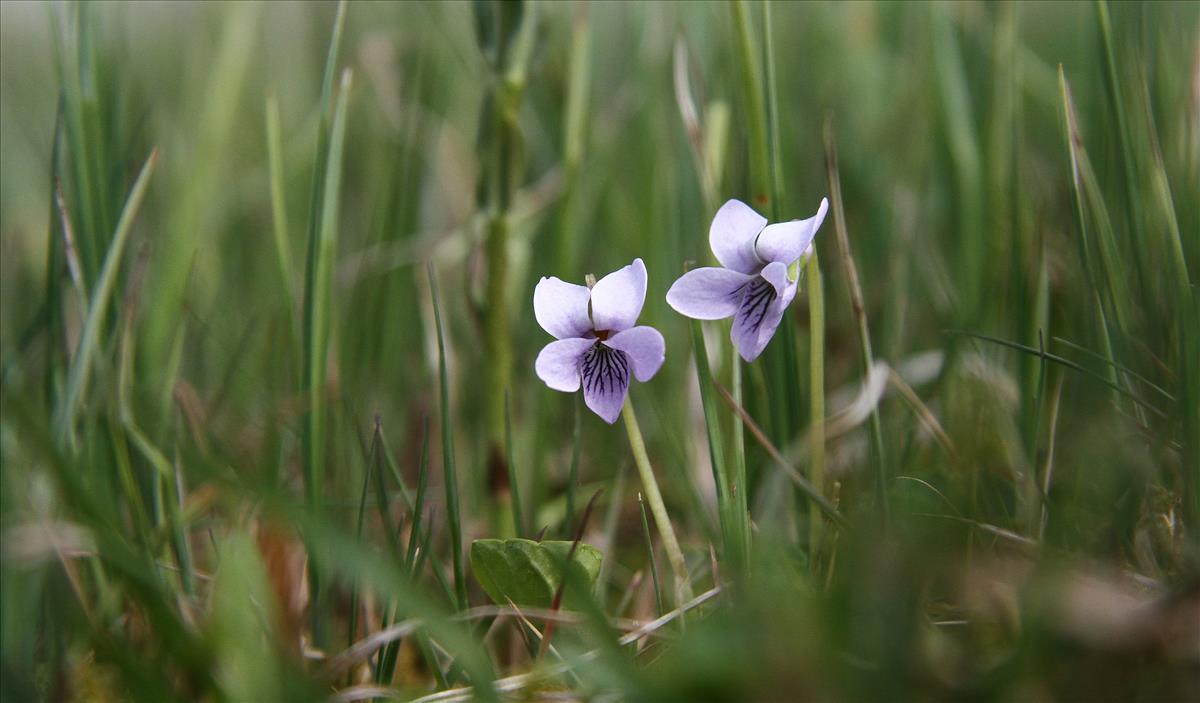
319	331
866	358
797	478
89	338
418	508
283	250
730	510
658	601
449	473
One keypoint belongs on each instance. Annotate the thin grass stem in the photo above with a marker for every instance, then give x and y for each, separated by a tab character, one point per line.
449	472
866	358
658	601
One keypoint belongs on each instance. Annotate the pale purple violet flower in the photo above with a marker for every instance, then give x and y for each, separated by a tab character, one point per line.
753	286
598	350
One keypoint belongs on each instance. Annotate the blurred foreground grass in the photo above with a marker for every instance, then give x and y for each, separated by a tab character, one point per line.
225	440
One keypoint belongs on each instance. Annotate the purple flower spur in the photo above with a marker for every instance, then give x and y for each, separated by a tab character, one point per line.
752	284
600	349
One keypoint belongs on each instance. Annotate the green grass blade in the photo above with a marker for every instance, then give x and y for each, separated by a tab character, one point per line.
360	521
658	600
448	469
318	333
866	358
89	338
418	508
283	249
750	75
963	141
730	509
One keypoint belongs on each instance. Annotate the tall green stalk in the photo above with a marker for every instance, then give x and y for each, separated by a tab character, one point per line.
816	392
503	160
579	71
683	586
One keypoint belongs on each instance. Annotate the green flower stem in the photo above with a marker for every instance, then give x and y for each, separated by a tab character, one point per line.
816	384
683	587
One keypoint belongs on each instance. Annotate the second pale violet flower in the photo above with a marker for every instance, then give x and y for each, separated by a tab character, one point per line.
597	350
752	283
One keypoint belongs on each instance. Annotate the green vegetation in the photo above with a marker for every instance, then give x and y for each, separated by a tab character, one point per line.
271	430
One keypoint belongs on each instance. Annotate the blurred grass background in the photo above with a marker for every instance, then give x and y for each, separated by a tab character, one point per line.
1018	172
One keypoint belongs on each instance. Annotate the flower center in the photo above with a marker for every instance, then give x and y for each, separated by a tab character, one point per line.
602	334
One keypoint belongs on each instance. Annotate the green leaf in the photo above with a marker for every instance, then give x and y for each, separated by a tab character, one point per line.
528	572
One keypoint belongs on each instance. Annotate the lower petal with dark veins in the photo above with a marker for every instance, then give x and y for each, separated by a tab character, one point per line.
605	374
753	311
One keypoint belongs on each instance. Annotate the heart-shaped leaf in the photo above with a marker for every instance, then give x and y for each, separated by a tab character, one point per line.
529	572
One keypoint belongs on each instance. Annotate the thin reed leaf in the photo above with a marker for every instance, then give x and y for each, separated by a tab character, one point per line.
1116	103
966	157
58	357
376	464
797	478
283	249
730	509
658	601
866	358
1117	388
359	522
751	82
318	333
448	469
418	507
89	338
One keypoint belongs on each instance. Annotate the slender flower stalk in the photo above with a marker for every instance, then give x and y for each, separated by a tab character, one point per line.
816	369
683	586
